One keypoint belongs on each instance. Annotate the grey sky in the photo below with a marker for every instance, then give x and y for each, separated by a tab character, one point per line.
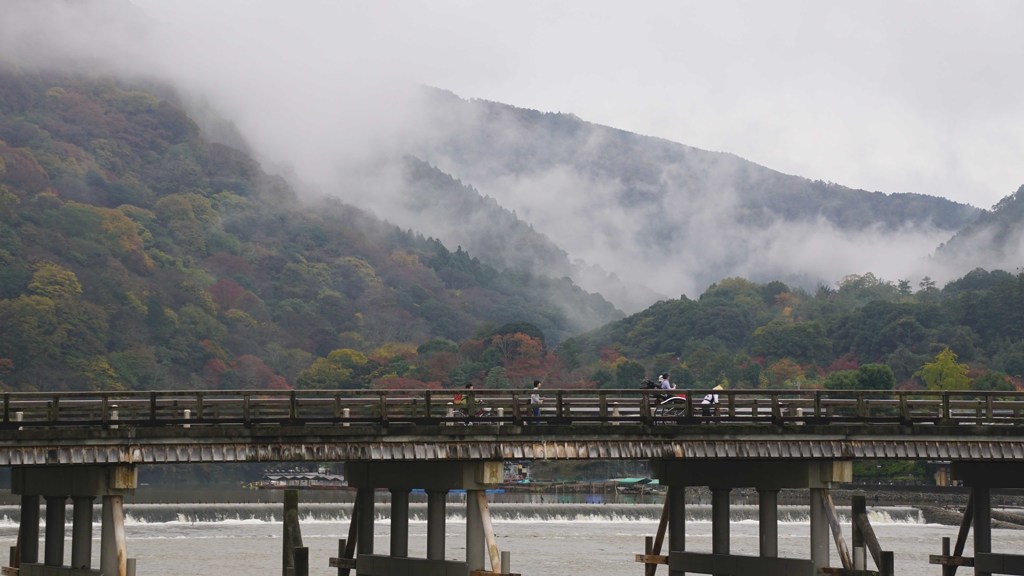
909	96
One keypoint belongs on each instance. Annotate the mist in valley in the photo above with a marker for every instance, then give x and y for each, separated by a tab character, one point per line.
333	98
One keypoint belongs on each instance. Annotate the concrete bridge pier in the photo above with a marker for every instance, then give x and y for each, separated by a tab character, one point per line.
768	478
82	484
438	479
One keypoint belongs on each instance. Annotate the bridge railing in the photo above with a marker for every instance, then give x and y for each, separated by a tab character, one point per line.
438	407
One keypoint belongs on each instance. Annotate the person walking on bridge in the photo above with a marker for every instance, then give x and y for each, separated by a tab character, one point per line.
535	399
710	400
460	398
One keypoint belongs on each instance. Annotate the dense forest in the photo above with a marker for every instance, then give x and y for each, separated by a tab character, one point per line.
136	254
866	333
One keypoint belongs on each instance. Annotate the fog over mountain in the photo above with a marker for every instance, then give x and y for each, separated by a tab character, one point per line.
634	218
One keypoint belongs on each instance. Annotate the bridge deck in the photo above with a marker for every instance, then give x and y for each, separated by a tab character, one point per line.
253	426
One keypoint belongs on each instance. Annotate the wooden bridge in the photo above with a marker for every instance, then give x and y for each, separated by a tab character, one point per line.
87	445
351	425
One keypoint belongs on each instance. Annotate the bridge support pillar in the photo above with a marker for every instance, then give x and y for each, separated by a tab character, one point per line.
474	531
819	530
768	478
28	530
437	478
676	520
982	478
768	522
54	550
113	549
437	512
83	484
720	520
399	523
367	518
81	532
982	499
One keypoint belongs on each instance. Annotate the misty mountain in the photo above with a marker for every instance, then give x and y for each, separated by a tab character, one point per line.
995	239
133	251
438	205
654	213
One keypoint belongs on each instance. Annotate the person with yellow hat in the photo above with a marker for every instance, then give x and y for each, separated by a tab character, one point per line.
710	399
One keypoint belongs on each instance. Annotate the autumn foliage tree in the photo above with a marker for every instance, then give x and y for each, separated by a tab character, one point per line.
945	373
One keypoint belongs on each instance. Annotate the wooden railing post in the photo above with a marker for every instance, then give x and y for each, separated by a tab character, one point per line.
384	408
645	407
54	409
104	409
517	416
199	405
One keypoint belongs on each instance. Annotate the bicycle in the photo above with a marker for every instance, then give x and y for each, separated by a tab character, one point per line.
480	411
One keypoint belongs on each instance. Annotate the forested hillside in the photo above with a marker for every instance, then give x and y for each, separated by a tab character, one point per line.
136	254
867	333
994	239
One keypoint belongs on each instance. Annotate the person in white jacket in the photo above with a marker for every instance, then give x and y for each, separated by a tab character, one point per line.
535	399
710	400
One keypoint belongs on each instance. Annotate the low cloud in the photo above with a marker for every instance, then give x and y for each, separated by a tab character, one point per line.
328	91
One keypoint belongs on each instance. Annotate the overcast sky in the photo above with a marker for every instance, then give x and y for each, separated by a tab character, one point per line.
891	96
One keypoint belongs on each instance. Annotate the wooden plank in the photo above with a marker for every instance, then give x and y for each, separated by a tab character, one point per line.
350	544
347	563
837	530
950	560
492	542
651	559
1012	564
659	538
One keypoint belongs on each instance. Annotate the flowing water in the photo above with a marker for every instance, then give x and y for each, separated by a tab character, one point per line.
544	538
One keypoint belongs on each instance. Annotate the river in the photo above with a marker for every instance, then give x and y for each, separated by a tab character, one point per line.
544	538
